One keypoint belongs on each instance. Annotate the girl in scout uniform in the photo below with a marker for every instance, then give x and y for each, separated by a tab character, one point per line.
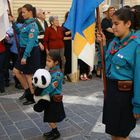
122	101
29	56
54	112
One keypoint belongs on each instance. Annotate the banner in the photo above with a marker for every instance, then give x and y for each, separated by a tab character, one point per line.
81	22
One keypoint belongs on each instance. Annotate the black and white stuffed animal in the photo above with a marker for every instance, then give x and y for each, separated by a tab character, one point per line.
41	79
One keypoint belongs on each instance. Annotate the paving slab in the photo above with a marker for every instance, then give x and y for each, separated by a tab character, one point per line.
83	103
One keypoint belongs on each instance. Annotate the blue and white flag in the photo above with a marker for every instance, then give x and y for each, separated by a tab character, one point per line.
81	22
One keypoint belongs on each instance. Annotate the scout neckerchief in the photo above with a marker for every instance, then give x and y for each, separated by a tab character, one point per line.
25	24
113	50
55	69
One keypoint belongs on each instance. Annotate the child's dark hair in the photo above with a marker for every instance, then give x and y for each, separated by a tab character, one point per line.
29	7
125	14
55	56
136	12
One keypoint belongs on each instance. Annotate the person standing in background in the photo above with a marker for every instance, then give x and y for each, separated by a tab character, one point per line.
13	39
68	50
54	39
107	24
105	10
42	25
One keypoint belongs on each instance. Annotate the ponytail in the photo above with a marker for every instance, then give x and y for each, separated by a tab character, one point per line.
34	12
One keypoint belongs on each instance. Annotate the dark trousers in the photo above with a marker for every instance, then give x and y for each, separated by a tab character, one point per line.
2	61
84	68
13	59
43	58
7	65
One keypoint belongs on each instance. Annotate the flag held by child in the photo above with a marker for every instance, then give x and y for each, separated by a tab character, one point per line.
81	22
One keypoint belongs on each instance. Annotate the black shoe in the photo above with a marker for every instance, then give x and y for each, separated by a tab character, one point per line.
68	78
25	95
47	134
2	90
90	76
63	82
22	97
53	136
18	86
28	102
7	84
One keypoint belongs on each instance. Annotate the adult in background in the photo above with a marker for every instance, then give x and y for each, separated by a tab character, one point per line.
136	10
107	24
68	50
108	32
42	25
7	60
13	39
84	70
53	39
105	10
29	59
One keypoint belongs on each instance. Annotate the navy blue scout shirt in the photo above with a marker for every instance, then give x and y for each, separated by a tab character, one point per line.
28	35
57	78
125	65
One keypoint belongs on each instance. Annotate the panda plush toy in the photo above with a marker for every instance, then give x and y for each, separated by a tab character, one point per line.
41	79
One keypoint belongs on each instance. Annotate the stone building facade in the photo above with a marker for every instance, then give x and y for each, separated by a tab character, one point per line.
52	7
119	3
60	7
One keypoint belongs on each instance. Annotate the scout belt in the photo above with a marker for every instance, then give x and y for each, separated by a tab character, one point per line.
125	85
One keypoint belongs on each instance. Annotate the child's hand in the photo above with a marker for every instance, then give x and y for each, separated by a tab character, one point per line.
68	32
47	51
11	18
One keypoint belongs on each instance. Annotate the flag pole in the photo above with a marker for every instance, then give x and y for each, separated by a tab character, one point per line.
101	49
10	12
122	3
75	71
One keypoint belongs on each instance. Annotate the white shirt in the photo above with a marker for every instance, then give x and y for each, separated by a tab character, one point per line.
41	23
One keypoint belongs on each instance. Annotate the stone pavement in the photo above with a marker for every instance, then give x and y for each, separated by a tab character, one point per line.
83	106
